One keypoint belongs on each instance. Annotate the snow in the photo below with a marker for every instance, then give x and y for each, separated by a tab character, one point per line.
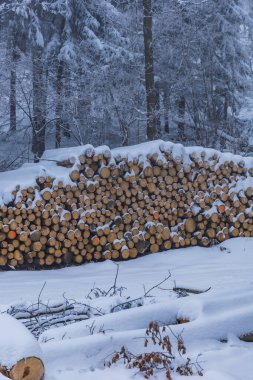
26	176
218	317
16	342
2	377
65	153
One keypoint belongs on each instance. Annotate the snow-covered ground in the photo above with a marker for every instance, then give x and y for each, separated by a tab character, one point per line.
217	317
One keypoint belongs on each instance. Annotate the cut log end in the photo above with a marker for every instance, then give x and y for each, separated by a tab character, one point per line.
26	369
190	225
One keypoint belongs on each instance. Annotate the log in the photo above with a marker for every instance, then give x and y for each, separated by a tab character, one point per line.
29	369
19	351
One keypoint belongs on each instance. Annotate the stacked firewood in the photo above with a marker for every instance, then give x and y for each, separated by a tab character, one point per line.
118	207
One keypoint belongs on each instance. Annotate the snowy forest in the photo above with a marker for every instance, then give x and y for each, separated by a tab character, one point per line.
126	189
123	72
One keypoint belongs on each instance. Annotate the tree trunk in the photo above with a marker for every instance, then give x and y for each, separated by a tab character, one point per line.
225	108
39	104
13	80
84	109
58	109
125	133
196	119
181	116
158	112
166	111
68	95
225	114
13	119
149	70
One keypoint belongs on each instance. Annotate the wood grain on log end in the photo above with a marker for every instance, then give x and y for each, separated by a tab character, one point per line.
28	369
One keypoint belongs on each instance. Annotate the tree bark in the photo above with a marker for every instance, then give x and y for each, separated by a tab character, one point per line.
149	70
39	104
58	109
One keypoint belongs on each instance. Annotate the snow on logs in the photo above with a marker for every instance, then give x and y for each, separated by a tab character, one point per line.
83	204
19	351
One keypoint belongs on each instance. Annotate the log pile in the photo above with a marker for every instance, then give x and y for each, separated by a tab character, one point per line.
116	205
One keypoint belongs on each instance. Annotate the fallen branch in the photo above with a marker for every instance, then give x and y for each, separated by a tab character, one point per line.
247	337
146	294
191	291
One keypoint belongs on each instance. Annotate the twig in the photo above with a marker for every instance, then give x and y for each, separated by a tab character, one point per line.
115	282
41	292
145	294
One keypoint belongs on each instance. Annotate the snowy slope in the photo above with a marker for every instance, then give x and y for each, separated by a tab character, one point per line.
217	317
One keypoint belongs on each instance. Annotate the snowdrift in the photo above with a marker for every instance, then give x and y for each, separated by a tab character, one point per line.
84	204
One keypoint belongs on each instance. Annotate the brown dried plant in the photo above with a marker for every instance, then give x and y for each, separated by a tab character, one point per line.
162	360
